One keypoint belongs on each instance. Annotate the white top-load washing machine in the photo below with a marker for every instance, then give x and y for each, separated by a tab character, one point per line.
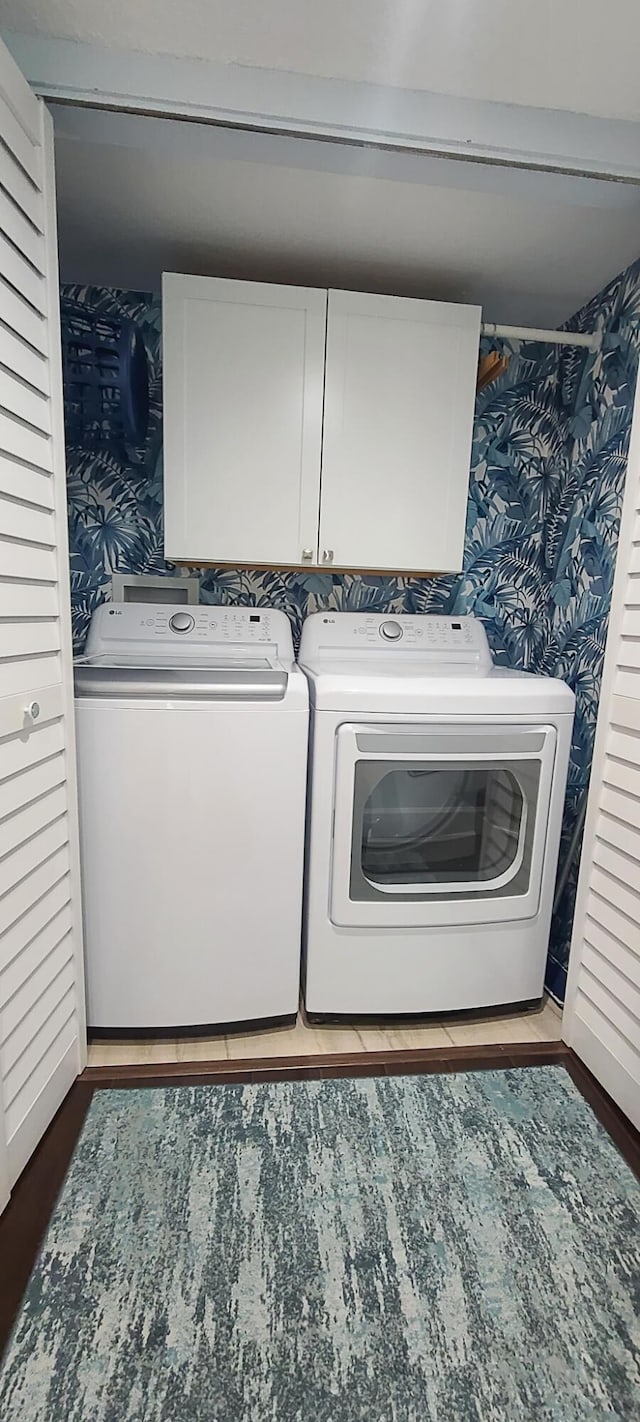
437	784
192	728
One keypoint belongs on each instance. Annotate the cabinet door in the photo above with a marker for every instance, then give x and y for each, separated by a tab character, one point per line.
42	1034
243	378
398	418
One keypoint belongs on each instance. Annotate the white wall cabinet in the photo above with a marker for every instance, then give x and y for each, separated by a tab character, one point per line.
398	421
307	431
243	372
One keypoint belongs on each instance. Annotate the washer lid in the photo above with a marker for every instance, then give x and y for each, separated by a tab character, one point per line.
159	678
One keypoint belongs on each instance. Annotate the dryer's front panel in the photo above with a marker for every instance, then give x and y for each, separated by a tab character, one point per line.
439	824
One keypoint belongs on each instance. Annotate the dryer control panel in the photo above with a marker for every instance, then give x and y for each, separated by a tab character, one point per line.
424	636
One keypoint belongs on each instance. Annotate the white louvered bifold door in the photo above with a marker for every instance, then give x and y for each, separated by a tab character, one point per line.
42	1034
602	1014
4	1165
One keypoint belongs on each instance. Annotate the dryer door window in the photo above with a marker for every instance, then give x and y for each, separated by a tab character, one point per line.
440	830
440	824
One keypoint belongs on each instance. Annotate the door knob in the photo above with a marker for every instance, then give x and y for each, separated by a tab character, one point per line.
327	555
32	710
307	555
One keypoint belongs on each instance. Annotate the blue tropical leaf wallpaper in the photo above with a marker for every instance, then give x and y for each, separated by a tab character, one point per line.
547	475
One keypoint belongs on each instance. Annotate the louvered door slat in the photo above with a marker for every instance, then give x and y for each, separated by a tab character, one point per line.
43	910
629	654
47	1027
17	355
27	522
42	1035
618	984
612	920
619	865
23	148
16	975
18	751
625	715
36	884
602	1012
614	950
24	599
25	403
22	794
619	804
29	856
620	835
622	776
18	437
632	591
21	189
23	319
32	817
44	985
622	746
52	1059
616	1006
21	274
627	679
21	790
608	1053
20	480
28	674
630	620
614	891
18	636
19	1038
21	232
24	560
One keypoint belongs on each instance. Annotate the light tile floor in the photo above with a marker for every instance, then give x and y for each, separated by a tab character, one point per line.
304	1040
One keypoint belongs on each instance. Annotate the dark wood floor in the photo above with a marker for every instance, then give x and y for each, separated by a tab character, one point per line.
24	1222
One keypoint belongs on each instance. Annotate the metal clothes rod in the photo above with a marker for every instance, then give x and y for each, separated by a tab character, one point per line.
591	340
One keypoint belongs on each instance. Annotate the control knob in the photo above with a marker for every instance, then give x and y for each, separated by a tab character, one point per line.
181	622
391	630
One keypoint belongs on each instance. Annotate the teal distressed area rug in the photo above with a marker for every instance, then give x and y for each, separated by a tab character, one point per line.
409	1249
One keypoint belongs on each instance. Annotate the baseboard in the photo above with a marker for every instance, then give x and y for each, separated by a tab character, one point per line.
623	1133
302	1068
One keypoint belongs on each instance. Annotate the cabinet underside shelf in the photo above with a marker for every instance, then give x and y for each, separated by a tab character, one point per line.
315	568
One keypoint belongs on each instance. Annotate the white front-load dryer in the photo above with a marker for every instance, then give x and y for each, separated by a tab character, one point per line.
437	785
192	729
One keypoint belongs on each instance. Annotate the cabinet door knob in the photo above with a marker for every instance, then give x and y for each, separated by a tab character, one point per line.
327	555
307	555
32	710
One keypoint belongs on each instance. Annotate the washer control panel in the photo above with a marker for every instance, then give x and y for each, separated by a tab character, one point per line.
129	627
432	638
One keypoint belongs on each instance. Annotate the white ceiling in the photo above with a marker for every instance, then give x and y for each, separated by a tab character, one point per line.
141	195
581	55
